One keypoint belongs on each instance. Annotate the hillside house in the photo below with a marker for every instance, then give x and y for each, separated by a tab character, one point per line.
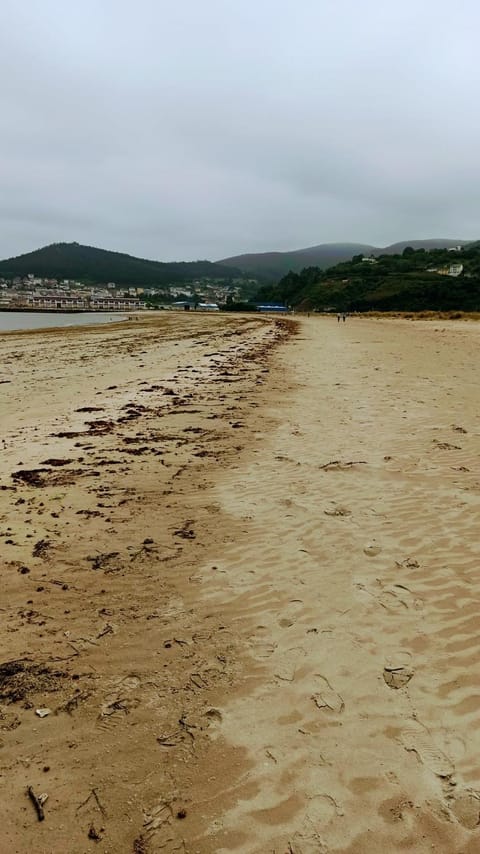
455	270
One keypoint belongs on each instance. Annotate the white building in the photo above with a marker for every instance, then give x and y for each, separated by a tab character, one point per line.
455	269
114	304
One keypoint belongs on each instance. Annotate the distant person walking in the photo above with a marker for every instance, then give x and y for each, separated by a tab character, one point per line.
344	316
338	318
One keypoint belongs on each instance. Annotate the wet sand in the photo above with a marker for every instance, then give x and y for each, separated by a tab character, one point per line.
244	583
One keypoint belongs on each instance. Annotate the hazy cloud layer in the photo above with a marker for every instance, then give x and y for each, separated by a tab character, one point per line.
183	129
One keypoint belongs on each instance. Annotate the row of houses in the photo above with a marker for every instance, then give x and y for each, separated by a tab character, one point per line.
79	303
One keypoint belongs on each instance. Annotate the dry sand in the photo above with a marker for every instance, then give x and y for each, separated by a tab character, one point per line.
246	587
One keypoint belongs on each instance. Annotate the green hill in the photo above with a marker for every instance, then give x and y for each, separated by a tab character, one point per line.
411	281
272	266
89	264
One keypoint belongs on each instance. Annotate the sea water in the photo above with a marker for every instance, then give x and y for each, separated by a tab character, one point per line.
12	320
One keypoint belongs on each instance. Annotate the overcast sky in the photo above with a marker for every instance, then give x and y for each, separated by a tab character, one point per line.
184	129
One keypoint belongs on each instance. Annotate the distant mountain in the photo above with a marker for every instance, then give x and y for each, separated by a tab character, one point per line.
274	265
89	264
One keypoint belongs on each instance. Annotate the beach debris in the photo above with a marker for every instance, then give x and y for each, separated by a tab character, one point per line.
43	713
73	702
100	427
186	532
46	477
102	561
92	795
90	514
20	677
41	548
95	834
340	465
38	802
446	446
178	736
409	563
32	477
338	511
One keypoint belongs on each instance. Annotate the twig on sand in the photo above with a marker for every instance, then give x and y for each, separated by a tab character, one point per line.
340	464
93	793
37	803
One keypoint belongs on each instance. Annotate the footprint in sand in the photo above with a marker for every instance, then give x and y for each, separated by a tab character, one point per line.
321	810
118	704
306	842
398	669
326	698
372	549
398	597
129	683
214	716
288	663
214	719
417	739
158	829
291	614
465	806
261	644
114	711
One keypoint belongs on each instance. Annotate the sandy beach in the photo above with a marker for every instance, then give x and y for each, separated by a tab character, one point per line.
239	580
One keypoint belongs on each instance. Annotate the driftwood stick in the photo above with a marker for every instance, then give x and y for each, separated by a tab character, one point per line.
36	803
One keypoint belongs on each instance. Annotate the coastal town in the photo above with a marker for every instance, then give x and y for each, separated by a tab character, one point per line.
35	293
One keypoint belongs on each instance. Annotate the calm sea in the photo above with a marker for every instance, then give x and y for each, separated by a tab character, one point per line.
10	320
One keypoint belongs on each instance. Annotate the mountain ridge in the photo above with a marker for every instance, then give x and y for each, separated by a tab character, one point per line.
92	264
274	265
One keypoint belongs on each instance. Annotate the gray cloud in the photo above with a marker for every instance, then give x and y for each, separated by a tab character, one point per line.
186	130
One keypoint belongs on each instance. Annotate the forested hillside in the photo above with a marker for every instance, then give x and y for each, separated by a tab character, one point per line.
90	264
414	280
